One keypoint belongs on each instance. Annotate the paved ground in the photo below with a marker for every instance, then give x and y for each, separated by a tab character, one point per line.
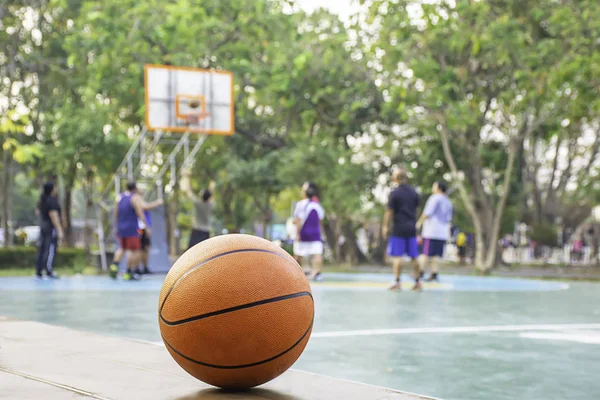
571	272
45	362
464	338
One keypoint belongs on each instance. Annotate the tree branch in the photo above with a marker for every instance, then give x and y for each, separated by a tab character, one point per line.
268	142
467	201
566	175
228	38
164	51
512	147
555	163
594	154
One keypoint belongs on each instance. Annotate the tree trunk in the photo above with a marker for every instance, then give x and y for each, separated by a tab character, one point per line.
87	233
356	254
595	243
379	255
67	217
329	225
67	212
467	200
490	261
86	230
266	211
6	195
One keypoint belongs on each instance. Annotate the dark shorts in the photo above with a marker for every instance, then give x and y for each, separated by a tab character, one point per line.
133	243
403	246
434	247
145	240
197	237
462	251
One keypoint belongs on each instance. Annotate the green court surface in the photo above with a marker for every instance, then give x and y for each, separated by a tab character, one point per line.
462	338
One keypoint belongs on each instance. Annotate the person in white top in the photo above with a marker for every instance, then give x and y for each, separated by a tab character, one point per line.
435	221
308	216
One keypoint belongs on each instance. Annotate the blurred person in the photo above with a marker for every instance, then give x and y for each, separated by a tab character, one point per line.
402	212
51	231
577	249
145	237
435	222
202	211
461	245
308	216
128	211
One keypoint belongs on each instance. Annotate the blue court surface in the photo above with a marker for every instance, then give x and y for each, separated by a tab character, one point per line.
462	338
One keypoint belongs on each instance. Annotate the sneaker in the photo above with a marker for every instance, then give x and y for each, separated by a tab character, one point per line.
318	277
39	278
396	287
52	275
113	270
131	277
146	271
432	277
417	287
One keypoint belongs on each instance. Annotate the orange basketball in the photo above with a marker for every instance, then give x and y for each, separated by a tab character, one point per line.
236	311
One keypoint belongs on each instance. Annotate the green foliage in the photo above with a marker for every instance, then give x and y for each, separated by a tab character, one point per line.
482	78
315	99
24	257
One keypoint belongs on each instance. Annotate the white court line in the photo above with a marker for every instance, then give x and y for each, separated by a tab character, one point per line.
586	337
455	329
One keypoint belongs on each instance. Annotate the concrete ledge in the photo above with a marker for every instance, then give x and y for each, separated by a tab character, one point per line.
40	361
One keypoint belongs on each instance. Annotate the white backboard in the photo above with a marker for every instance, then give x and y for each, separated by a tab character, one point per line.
180	99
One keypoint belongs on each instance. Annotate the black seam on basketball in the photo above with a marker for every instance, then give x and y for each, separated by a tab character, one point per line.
236	308
244	365
188	272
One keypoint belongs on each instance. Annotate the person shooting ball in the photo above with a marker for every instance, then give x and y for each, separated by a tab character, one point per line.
203	208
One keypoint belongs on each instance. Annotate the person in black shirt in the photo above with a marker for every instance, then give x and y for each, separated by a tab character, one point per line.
402	210
51	231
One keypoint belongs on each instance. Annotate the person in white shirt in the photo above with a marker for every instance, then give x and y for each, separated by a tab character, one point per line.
308	215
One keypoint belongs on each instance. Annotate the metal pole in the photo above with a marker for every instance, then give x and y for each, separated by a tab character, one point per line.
190	159
159	191
101	243
142	152
172	156
130	167
186	148
173	173
117	185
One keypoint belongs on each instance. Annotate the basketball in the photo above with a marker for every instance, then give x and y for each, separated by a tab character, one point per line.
194	104
236	311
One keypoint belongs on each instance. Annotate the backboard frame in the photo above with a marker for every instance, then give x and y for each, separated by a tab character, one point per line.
202	112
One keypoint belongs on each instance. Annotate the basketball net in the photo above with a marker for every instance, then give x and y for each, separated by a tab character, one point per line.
191	120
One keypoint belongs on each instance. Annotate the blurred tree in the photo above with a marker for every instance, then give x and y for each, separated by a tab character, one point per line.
480	94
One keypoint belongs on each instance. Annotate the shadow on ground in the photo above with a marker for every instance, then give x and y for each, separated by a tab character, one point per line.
220	394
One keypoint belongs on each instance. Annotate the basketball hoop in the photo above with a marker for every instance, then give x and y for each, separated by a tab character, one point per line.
181	99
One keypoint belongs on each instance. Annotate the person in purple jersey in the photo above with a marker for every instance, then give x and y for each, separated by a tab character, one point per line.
129	208
308	215
402	211
435	221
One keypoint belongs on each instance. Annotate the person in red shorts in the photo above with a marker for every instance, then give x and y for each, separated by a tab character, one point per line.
129	208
